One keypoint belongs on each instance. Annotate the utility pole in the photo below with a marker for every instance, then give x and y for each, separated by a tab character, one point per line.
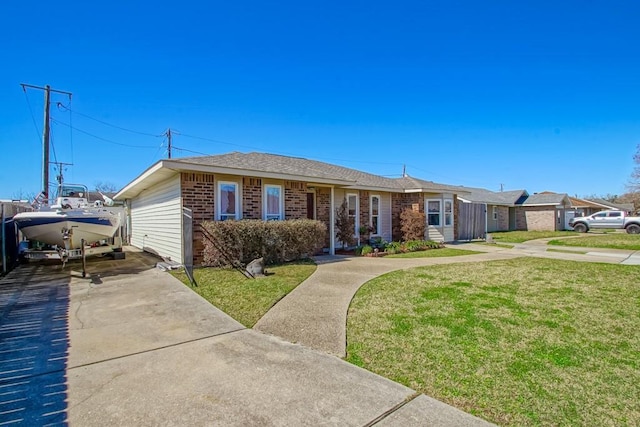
45	143
168	133
45	133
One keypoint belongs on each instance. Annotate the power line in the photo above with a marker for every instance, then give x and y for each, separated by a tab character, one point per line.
101	138
191	151
35	125
60	105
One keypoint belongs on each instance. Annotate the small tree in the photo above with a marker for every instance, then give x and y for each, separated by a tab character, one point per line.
105	187
412	224
633	196
345	225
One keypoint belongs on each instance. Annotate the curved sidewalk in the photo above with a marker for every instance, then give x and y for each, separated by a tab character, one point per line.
315	313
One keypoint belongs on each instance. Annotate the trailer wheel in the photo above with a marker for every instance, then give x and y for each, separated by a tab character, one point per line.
633	229
580	228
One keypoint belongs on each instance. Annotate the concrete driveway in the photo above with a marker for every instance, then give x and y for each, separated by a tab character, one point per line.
131	345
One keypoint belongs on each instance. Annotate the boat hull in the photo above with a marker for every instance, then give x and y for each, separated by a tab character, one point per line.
67	228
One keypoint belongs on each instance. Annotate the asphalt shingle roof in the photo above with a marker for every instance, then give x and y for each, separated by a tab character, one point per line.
273	163
545	199
481	195
621	206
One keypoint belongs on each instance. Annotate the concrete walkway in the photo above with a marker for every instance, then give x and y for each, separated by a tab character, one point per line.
131	345
315	313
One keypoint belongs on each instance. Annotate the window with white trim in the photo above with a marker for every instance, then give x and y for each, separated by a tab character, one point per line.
273	202
448	213
434	212
228	201
495	213
374	215
352	206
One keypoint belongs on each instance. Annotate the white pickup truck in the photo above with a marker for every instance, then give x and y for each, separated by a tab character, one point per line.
606	219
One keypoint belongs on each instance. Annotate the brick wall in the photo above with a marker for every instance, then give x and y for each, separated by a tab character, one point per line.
295	200
198	194
323	209
400	201
541	218
251	198
503	218
364	208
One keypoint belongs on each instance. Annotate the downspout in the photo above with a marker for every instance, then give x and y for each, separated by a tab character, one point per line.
332	231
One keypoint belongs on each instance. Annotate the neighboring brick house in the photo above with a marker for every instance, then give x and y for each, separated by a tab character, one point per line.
272	187
543	212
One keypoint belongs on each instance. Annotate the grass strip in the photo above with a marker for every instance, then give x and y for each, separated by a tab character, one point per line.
605	241
247	300
434	253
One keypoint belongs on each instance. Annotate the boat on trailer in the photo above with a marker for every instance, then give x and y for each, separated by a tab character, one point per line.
71	220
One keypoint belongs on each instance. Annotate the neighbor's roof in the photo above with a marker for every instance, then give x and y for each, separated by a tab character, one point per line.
577	202
506	198
545	199
279	167
608	205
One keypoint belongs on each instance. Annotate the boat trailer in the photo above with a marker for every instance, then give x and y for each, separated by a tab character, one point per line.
115	249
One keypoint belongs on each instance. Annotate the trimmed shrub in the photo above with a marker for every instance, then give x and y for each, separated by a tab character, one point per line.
412	224
421	245
236	242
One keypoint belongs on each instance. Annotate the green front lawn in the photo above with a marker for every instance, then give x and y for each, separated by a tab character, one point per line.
611	241
434	253
517	342
247	300
523	236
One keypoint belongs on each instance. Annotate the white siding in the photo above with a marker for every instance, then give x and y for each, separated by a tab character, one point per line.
442	233
156	220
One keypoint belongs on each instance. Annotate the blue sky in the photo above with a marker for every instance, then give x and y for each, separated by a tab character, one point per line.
534	95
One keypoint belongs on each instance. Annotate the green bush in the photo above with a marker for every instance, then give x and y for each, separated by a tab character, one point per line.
366	249
232	242
394	247
378	242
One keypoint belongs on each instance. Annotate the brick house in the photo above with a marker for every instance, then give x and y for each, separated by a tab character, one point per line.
543	212
272	187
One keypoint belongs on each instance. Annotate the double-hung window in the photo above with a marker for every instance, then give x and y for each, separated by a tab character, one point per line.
434	212
352	206
495	213
273	202
375	214
228	200
448	212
